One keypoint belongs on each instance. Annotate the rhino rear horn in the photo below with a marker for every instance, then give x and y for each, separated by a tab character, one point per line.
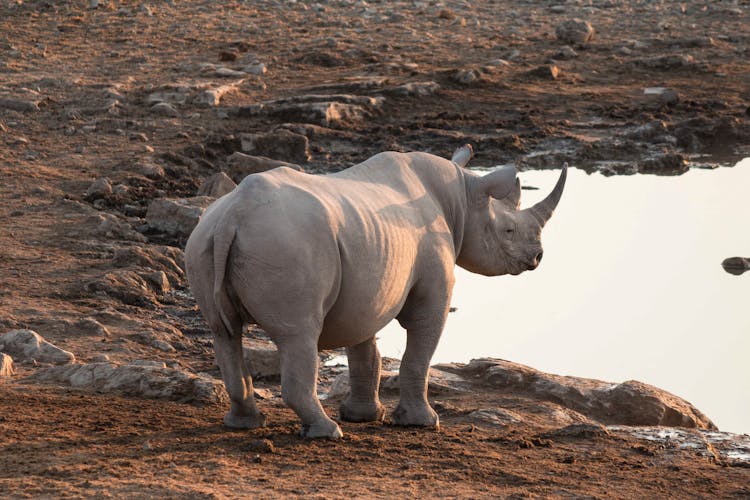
500	182
543	210
462	155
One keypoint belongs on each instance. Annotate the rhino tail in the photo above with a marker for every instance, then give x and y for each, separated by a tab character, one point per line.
223	241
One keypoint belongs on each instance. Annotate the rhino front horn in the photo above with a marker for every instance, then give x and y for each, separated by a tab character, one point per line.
543	210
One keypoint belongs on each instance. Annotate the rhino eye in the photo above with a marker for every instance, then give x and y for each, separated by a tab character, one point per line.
509	231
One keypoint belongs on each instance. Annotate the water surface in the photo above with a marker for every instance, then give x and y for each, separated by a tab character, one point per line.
631	287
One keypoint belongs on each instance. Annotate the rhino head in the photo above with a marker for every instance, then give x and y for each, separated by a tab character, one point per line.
498	237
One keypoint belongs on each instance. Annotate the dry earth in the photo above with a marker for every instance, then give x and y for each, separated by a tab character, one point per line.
157	96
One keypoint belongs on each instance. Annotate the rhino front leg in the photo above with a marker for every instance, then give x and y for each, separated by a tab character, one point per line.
243	412
363	404
299	380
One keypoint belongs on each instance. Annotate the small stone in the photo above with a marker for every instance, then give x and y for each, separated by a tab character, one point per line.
566	52
228	55
661	95
256	68
90	326
466	76
260	446
138	136
671	61
100	358
164	109
736	265
447	14
149	169
225	72
100	188
575	31
498	62
668	164
547	72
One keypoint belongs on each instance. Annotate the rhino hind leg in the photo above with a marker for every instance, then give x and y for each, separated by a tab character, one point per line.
243	412
362	404
299	376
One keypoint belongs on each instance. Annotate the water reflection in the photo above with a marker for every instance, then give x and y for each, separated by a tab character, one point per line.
630	288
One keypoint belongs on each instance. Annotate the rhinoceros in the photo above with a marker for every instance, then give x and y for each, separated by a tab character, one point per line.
326	261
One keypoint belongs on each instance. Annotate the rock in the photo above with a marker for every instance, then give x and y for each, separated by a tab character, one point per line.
668	164
724	448
111	226
256	68
241	165
574	31
566	52
547	72
176	216
212	96
418	89
260	446
228	72
736	265
164	109
494	416
324	109
166	259
153	382
282	144
158	281
6	365
586	431
261	358
647	131
217	185
671	61
29	346
24	101
628	403
99	189
466	76
126	286
660	95
90	326
100	358
149	169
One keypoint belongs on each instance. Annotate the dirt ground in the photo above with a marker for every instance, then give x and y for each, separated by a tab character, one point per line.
75	89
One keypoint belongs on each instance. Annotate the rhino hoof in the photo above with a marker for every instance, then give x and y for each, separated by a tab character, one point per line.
351	412
327	429
250	422
419	416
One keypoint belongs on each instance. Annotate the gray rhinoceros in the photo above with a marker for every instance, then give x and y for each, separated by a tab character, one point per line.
326	261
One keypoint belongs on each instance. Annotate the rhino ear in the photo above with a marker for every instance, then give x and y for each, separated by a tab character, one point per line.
500	182
513	200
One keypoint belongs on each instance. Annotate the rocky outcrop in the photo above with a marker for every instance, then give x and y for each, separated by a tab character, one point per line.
628	403
152	380
29	346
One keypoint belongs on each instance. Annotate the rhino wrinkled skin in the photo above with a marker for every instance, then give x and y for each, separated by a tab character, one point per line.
321	262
